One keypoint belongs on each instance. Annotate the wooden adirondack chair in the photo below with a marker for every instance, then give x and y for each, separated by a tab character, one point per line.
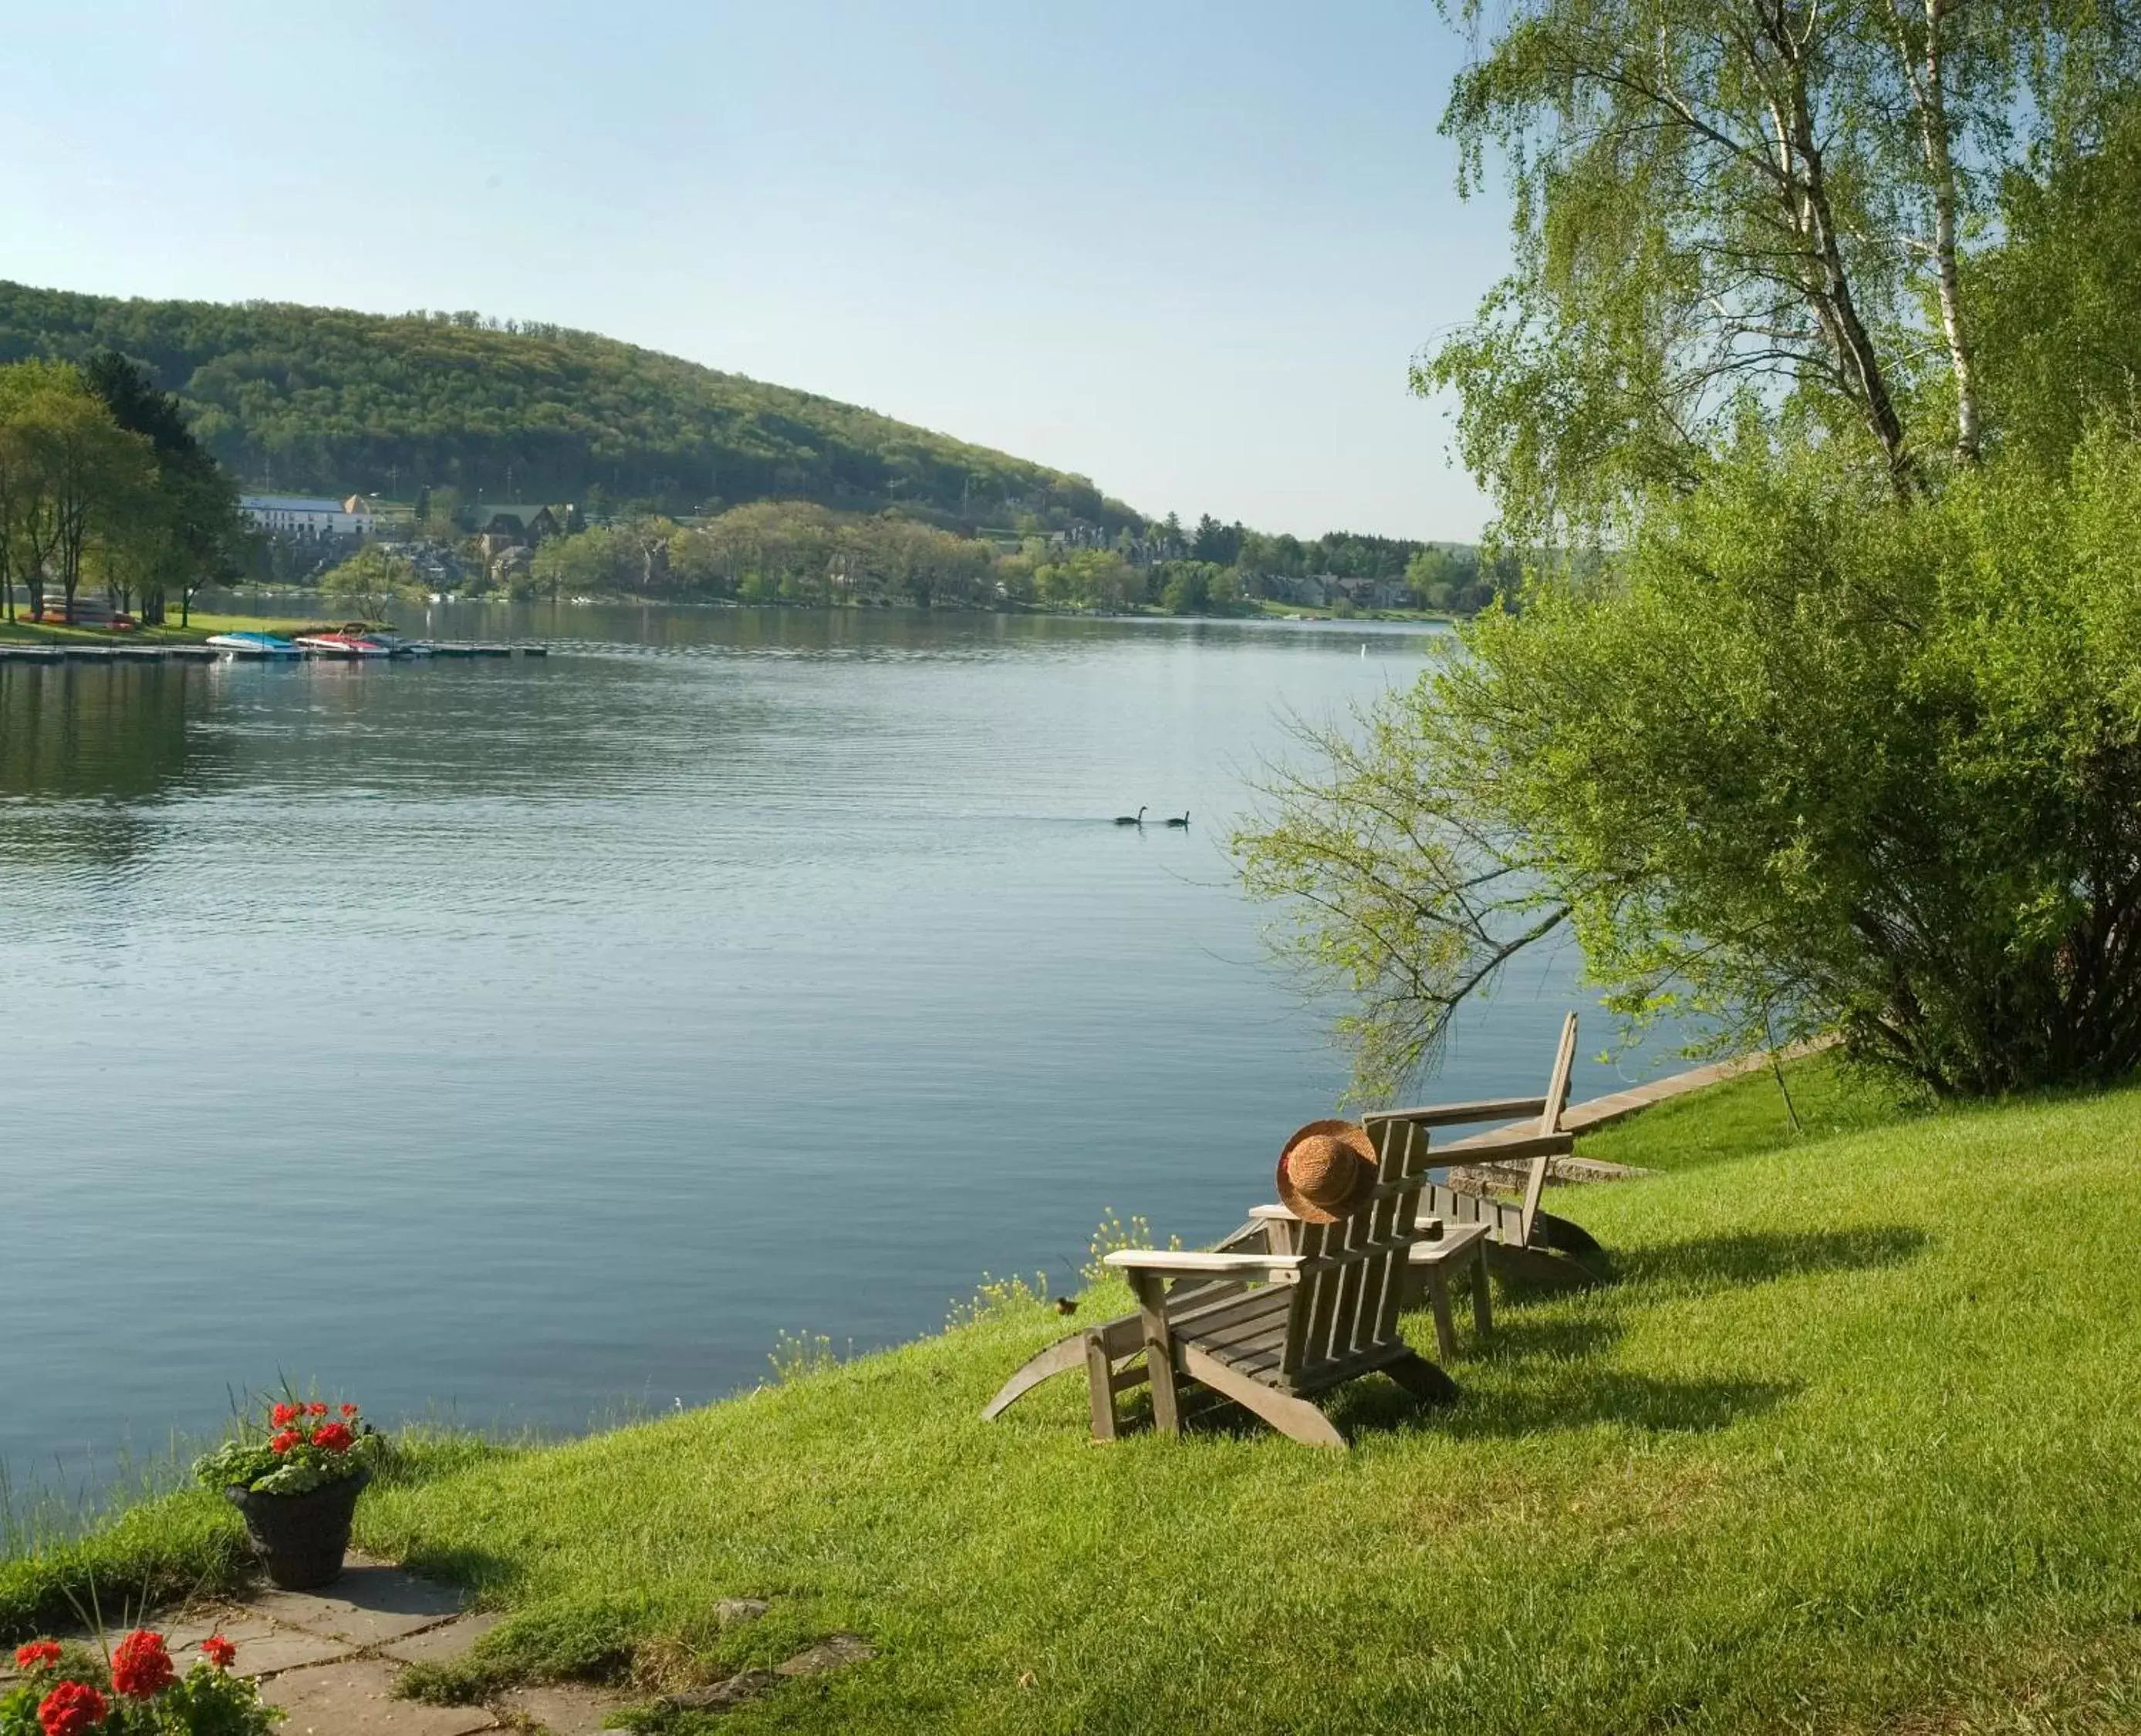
1522	1241
1269	1330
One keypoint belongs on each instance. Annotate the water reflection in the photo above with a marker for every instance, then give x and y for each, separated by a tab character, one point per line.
120	732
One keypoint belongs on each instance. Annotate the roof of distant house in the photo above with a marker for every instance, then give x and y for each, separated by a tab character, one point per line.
290	503
525	511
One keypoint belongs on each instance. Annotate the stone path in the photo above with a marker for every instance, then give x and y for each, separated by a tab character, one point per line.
330	1658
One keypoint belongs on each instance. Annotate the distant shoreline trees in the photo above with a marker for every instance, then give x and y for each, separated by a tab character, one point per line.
102	483
801	554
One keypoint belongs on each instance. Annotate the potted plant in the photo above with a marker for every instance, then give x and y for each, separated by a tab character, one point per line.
135	1690
297	1482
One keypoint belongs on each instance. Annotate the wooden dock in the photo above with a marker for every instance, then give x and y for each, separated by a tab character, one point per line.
12	651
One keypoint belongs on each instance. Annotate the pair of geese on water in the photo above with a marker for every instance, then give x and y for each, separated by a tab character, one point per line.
1138	819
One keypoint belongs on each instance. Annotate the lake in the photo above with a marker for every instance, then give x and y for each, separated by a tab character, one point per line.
531	1043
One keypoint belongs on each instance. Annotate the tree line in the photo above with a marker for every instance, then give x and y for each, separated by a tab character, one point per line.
800	552
102	483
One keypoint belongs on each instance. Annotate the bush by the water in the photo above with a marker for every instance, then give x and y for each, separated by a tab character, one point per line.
1809	760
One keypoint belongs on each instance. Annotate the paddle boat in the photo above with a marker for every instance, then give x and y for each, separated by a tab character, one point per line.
398	644
343	643
248	644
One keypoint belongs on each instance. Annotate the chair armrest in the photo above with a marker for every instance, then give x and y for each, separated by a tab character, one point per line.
1453	1115
1508	1147
1171	1263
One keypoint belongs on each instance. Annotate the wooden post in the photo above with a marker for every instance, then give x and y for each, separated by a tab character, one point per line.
1100	1385
1151	1292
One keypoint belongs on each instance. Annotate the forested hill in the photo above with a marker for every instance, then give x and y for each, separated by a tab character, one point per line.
321	400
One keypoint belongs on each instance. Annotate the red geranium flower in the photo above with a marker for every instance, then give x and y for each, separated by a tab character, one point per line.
70	1708
283	1442
316	1410
349	1410
335	1437
219	1651
38	1654
140	1668
283	1414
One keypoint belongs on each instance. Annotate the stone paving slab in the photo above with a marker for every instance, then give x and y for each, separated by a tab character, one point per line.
370	1605
356	1699
564	1709
263	1649
436	1643
833	1653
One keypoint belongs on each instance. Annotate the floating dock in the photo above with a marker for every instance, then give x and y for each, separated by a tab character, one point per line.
12	652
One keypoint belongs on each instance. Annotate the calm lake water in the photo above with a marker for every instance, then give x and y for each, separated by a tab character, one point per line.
534	1042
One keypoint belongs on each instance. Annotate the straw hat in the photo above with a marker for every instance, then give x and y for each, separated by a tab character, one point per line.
1326	1170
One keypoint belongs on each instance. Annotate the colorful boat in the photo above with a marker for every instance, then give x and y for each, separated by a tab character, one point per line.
398	645
342	645
254	644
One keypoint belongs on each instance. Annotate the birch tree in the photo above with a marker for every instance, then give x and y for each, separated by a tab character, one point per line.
1727	208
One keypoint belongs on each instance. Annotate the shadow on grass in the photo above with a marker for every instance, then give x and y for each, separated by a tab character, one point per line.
1724	1262
1575	1397
1521	1338
474	1570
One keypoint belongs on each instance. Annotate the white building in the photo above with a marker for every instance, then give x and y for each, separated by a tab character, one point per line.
304	515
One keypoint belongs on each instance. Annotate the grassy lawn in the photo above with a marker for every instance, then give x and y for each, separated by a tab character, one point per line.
24	632
1850	1445
1264	606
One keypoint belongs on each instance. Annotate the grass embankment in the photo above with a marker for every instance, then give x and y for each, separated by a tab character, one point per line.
1852	1444
197	628
1269	610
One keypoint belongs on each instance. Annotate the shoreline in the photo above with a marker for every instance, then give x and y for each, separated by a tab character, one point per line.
1773	1420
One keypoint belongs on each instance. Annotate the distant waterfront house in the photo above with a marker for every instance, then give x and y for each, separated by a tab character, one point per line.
1311	589
1371	593
532	523
502	525
308	515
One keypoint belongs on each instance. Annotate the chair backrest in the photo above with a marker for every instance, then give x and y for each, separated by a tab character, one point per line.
1344	1315
1549	1121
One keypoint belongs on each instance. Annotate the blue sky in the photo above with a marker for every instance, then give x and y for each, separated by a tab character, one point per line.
1186	249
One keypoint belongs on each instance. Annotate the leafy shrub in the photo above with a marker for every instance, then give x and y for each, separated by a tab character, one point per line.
1804	759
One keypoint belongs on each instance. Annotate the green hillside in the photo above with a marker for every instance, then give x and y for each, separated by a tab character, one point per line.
321	399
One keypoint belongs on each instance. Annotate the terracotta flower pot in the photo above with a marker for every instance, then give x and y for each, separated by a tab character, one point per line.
301	1539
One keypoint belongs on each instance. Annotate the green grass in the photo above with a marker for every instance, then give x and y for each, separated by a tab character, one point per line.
1750	1115
1850	1445
1271	609
201	624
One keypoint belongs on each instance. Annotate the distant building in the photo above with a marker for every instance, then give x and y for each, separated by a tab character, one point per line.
1313	589
1371	593
500	526
307	515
